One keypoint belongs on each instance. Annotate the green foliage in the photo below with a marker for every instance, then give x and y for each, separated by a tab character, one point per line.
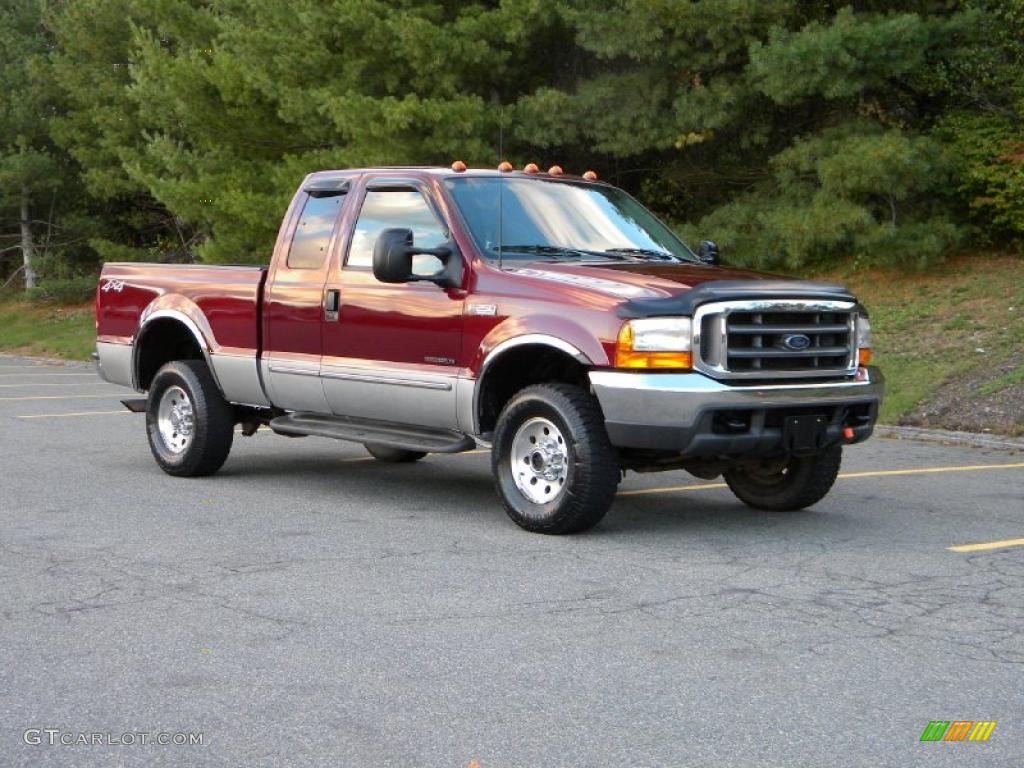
857	190
66	290
990	177
794	133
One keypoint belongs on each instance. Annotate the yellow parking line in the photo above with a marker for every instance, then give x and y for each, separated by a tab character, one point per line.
72	413
928	470
843	475
987	545
60	397
52	384
10	375
673	489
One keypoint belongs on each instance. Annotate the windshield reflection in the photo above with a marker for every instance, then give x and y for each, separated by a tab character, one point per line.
540	217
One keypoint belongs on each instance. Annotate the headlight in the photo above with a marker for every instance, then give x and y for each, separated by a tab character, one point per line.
655	342
863	340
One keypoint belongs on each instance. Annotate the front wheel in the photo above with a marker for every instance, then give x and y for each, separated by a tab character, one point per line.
189	424
786	484
554	468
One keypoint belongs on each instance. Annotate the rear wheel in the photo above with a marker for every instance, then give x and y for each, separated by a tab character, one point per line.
785	484
189	424
553	465
392	455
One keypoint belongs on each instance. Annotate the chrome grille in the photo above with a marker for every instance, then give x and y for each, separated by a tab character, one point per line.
776	339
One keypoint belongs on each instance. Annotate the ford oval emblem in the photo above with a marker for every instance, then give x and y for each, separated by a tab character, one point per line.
796	341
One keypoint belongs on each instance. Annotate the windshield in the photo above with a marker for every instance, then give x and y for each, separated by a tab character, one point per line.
561	220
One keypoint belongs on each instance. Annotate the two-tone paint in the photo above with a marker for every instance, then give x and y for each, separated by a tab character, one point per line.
414	353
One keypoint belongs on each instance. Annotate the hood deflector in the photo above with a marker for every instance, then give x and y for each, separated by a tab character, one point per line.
727	290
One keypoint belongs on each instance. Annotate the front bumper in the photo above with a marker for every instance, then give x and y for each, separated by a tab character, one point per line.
694	415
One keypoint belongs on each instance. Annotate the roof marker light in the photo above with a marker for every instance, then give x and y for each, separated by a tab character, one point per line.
504	166
590	176
458	166
555	170
531	168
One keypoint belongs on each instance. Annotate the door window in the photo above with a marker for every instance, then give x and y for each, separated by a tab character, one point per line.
313	234
405	209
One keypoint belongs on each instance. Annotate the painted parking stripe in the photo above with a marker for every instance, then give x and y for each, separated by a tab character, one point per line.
12	375
61	397
987	545
842	475
928	470
73	413
56	384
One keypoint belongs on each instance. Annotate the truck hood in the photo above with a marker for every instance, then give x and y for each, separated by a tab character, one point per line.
635	280
649	289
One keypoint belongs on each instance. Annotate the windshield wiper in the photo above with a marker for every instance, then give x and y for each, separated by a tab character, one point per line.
556	251
646	253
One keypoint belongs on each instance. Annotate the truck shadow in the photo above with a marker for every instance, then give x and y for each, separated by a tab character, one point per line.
464	490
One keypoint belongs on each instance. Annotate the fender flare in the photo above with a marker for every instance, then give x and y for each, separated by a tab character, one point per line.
151	314
498	351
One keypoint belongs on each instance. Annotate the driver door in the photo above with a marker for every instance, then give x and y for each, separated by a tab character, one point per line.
393	352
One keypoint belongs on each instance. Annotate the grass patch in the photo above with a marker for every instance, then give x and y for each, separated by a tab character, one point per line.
49	330
962	318
998	384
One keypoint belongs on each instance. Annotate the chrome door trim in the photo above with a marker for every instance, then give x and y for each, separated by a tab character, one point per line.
286	369
293	382
379	379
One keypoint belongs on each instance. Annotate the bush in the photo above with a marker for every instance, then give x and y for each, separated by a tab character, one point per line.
70	290
990	173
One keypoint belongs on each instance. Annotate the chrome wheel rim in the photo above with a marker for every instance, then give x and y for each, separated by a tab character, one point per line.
175	420
539	460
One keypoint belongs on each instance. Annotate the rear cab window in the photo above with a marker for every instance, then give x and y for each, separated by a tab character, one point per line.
313	232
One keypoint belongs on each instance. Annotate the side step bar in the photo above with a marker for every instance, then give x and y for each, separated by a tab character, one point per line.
364	431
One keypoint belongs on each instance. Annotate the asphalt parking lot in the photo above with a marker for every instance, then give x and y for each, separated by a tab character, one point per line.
309	606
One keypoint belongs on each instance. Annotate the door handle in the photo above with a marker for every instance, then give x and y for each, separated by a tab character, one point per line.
332	303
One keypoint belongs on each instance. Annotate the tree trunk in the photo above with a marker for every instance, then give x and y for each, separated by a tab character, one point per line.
27	248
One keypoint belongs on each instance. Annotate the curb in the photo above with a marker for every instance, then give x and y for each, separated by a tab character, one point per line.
949	437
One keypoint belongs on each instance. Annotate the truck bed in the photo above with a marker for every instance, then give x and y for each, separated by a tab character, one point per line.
226	297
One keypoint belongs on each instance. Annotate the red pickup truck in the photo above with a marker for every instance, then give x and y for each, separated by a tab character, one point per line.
551	318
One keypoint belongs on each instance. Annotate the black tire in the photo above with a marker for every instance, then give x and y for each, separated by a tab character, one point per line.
393	455
785	485
591	465
213	423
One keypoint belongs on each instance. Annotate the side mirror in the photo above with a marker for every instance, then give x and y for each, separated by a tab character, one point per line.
708	252
393	263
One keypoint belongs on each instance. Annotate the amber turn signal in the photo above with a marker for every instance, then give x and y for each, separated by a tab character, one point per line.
667	360
627	357
864	356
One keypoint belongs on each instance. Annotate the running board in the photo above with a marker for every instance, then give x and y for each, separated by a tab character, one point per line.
359	431
135	404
